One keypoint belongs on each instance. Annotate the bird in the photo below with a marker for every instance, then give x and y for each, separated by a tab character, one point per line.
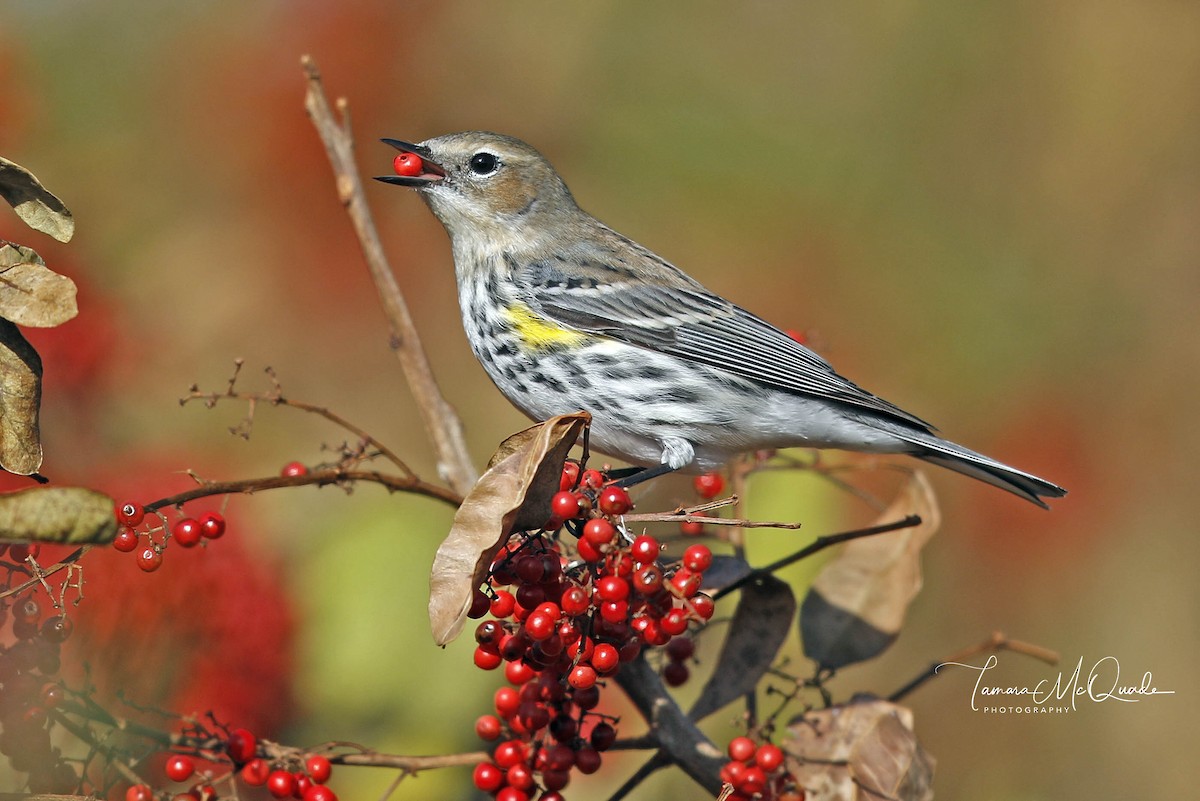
565	314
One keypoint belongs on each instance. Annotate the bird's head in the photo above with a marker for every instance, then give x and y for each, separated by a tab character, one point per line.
479	182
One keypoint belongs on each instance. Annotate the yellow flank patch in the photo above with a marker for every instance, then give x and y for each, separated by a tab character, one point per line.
539	334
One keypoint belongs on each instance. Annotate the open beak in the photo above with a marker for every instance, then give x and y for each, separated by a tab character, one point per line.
429	170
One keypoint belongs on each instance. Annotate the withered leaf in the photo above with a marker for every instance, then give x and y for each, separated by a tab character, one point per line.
513	494
30	292
20	400
856	606
67	515
862	751
760	625
40	210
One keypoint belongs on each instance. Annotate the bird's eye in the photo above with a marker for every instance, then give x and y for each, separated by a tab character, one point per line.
484	163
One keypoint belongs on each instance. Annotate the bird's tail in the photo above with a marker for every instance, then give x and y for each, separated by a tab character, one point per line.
936	450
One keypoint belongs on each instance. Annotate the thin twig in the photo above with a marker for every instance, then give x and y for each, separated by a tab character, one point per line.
698	514
819	544
320	478
440	419
996	642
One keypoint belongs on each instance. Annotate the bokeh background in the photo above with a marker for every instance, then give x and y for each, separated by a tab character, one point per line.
987	213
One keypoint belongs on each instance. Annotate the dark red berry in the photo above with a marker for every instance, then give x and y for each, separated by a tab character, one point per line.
680	649
241	746
212	525
675	674
603	736
587	760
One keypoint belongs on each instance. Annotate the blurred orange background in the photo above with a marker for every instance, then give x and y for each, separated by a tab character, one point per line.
987	214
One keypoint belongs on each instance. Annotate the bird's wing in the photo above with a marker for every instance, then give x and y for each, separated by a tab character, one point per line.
662	309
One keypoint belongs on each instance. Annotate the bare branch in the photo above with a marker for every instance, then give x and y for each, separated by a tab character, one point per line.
996	642
441	421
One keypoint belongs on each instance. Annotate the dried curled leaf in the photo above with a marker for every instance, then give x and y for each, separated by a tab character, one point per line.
40	210
20	400
30	292
863	751
760	625
513	494
66	515
856	606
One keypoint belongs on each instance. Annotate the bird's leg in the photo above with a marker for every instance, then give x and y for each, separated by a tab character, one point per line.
629	476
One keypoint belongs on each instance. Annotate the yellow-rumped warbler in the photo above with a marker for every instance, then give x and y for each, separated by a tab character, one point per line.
566	314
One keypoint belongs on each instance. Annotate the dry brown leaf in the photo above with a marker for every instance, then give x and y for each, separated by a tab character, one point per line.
761	623
30	292
864	751
20	400
40	210
513	494
856	606
66	515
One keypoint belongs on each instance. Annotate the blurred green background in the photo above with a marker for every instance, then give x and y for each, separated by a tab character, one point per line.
986	213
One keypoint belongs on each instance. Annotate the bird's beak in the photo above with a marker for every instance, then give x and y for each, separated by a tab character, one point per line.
430	172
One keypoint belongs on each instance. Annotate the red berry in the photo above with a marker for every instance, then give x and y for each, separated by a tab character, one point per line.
319	792
709	485
125	541
614	500
587	698
487	727
587	760
674	622
281	783
605	658
212	524
570	475
294	469
575	601
486	660
179	767
149	559
241	746
599	531
684	583
255	772
187	532
614	611
587	551
741	749
565	505
754	780
732	772
139	792
518	673
612	588
647	579
509	753
503	604
488	777
582	677
24	550
506	701
644	549
691	528
303	783
703	605
592	479
697	558
408	164
131	514
768	757
480	603
512	794
519	776
540	626
319	767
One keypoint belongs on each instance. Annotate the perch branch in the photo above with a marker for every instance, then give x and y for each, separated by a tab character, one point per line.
440	419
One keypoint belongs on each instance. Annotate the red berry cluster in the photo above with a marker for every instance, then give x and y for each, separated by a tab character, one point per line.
560	625
186	531
758	771
290	778
29	665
